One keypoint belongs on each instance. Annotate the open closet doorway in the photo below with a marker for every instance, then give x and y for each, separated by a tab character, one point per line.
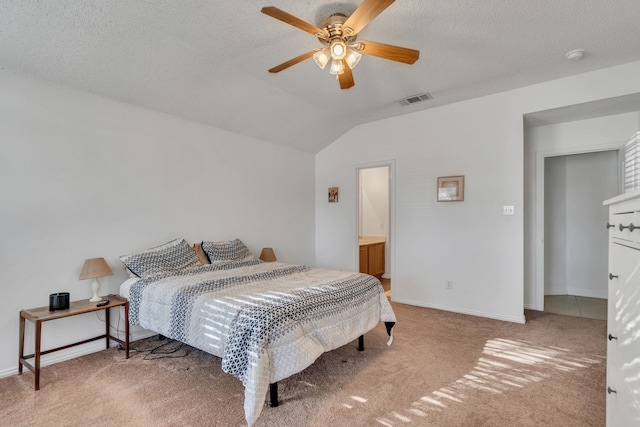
374	223
575	237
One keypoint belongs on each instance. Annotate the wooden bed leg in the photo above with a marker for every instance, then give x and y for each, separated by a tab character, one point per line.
361	343
273	394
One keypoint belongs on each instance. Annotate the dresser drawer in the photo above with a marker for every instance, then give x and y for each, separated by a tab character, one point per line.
625	226
623	407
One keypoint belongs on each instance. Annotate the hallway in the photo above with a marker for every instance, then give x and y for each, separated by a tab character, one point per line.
570	305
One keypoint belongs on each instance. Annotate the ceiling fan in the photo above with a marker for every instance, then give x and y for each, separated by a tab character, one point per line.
338	36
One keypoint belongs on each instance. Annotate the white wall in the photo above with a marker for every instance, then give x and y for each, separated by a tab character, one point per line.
83	176
576	242
555	249
468	242
375	201
591	179
434	242
592	135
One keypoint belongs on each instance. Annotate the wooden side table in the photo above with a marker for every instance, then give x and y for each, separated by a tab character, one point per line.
42	314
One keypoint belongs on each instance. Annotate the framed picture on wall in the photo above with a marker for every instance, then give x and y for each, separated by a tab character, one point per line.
333	194
451	188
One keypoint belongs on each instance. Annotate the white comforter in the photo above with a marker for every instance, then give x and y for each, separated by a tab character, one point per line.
266	321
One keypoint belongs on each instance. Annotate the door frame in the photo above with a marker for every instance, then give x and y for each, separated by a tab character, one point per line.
540	175
391	164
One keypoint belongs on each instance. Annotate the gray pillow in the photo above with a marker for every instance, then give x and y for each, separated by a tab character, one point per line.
170	257
230	250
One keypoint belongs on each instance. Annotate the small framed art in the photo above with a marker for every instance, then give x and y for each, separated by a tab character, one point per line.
333	194
451	188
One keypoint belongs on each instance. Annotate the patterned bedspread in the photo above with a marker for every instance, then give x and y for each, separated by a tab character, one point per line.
266	321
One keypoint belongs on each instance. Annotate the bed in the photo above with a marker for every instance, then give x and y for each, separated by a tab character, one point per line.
265	320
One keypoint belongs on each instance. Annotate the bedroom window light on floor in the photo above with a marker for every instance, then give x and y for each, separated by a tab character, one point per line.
92	269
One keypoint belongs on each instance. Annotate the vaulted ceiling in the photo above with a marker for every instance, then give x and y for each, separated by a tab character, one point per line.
207	60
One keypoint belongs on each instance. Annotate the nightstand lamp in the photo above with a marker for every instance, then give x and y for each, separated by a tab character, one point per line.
92	269
268	255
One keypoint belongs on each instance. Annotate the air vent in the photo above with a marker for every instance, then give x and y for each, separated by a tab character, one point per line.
415	98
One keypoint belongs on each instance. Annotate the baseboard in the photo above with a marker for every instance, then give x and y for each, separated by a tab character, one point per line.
588	293
463	311
73	352
556	291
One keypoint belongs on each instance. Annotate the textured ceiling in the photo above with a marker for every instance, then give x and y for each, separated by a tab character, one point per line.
207	60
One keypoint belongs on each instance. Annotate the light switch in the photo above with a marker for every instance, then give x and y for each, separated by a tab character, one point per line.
508	210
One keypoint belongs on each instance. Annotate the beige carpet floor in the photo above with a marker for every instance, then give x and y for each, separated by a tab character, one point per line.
443	369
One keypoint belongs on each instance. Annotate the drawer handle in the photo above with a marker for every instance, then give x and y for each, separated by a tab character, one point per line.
631	227
610	225
611	337
612	276
610	390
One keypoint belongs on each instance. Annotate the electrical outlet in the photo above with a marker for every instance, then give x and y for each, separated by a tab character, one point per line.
448	284
508	210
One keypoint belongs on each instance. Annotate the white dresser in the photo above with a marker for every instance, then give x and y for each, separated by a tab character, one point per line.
623	322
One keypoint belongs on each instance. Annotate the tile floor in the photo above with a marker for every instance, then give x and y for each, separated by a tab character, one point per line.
570	305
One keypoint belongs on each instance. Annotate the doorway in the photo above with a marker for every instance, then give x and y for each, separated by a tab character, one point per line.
374	222
575	239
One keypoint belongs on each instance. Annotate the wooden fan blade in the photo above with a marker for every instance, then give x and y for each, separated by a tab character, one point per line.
291	62
346	78
287	18
364	14
387	51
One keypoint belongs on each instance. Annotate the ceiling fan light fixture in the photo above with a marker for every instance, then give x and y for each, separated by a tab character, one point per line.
337	34
338	49
353	57
337	67
322	57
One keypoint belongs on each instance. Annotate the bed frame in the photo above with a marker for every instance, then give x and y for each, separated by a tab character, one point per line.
273	387
256	401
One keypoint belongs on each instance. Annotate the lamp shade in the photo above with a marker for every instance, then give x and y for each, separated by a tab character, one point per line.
95	267
337	67
352	58
268	255
322	57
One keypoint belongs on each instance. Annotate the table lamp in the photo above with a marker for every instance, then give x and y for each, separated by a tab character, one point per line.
268	255
92	269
